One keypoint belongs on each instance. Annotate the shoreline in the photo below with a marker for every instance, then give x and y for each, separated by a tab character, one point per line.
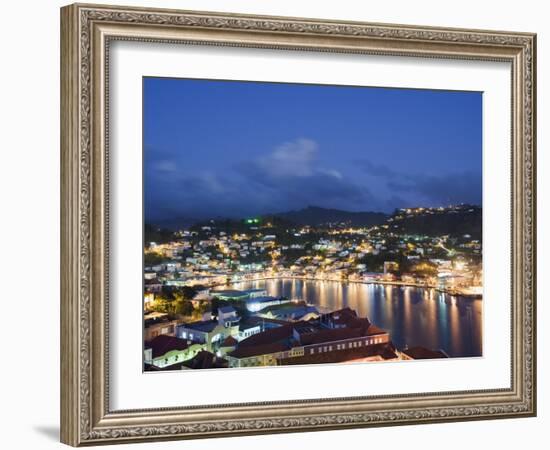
383	283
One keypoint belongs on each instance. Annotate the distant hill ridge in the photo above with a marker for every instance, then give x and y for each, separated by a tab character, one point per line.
464	219
315	215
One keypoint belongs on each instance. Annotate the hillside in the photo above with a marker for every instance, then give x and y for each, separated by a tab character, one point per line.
460	220
313	215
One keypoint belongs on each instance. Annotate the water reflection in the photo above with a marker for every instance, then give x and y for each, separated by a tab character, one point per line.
413	316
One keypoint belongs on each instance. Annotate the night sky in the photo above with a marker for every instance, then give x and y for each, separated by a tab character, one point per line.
238	149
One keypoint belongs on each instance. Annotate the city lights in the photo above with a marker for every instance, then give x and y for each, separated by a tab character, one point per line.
186	277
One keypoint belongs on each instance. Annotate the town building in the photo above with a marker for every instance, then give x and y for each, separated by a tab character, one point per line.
156	324
292	311
213	332
152	285
230	294
253	325
255	304
164	351
330	334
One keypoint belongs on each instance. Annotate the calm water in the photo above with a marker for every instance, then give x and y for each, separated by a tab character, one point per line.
413	316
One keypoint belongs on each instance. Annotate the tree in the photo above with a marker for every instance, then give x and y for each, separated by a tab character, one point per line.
152	259
424	269
188	292
163	305
184	307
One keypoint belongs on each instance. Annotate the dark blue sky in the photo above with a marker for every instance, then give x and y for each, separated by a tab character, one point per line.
236	149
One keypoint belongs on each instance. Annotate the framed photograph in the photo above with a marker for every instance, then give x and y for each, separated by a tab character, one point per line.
276	224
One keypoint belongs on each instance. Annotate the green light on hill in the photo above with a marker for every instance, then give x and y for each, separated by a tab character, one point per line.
252	221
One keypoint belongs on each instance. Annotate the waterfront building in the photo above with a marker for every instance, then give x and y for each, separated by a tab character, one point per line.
255	293
372	277
390	267
230	294
332	335
256	304
291	311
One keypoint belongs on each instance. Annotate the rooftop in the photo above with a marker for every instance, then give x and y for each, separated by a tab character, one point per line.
419	352
331	335
205	326
340	317
289	308
226	309
155	320
373	330
256	350
229	341
230	293
254	321
163	344
262	299
281	333
154	315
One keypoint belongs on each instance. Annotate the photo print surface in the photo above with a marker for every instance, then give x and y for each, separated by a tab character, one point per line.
290	224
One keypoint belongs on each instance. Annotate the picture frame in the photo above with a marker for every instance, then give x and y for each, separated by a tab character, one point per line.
87	31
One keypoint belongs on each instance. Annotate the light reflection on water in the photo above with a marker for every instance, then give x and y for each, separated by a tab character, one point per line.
413	316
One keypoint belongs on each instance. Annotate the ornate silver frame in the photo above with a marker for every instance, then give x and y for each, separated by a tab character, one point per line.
86	31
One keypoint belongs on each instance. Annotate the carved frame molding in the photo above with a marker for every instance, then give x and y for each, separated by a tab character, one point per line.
86	32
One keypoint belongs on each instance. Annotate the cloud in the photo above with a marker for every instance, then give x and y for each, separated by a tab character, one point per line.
291	159
165	166
332	173
295	178
457	187
409	189
377	170
290	176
